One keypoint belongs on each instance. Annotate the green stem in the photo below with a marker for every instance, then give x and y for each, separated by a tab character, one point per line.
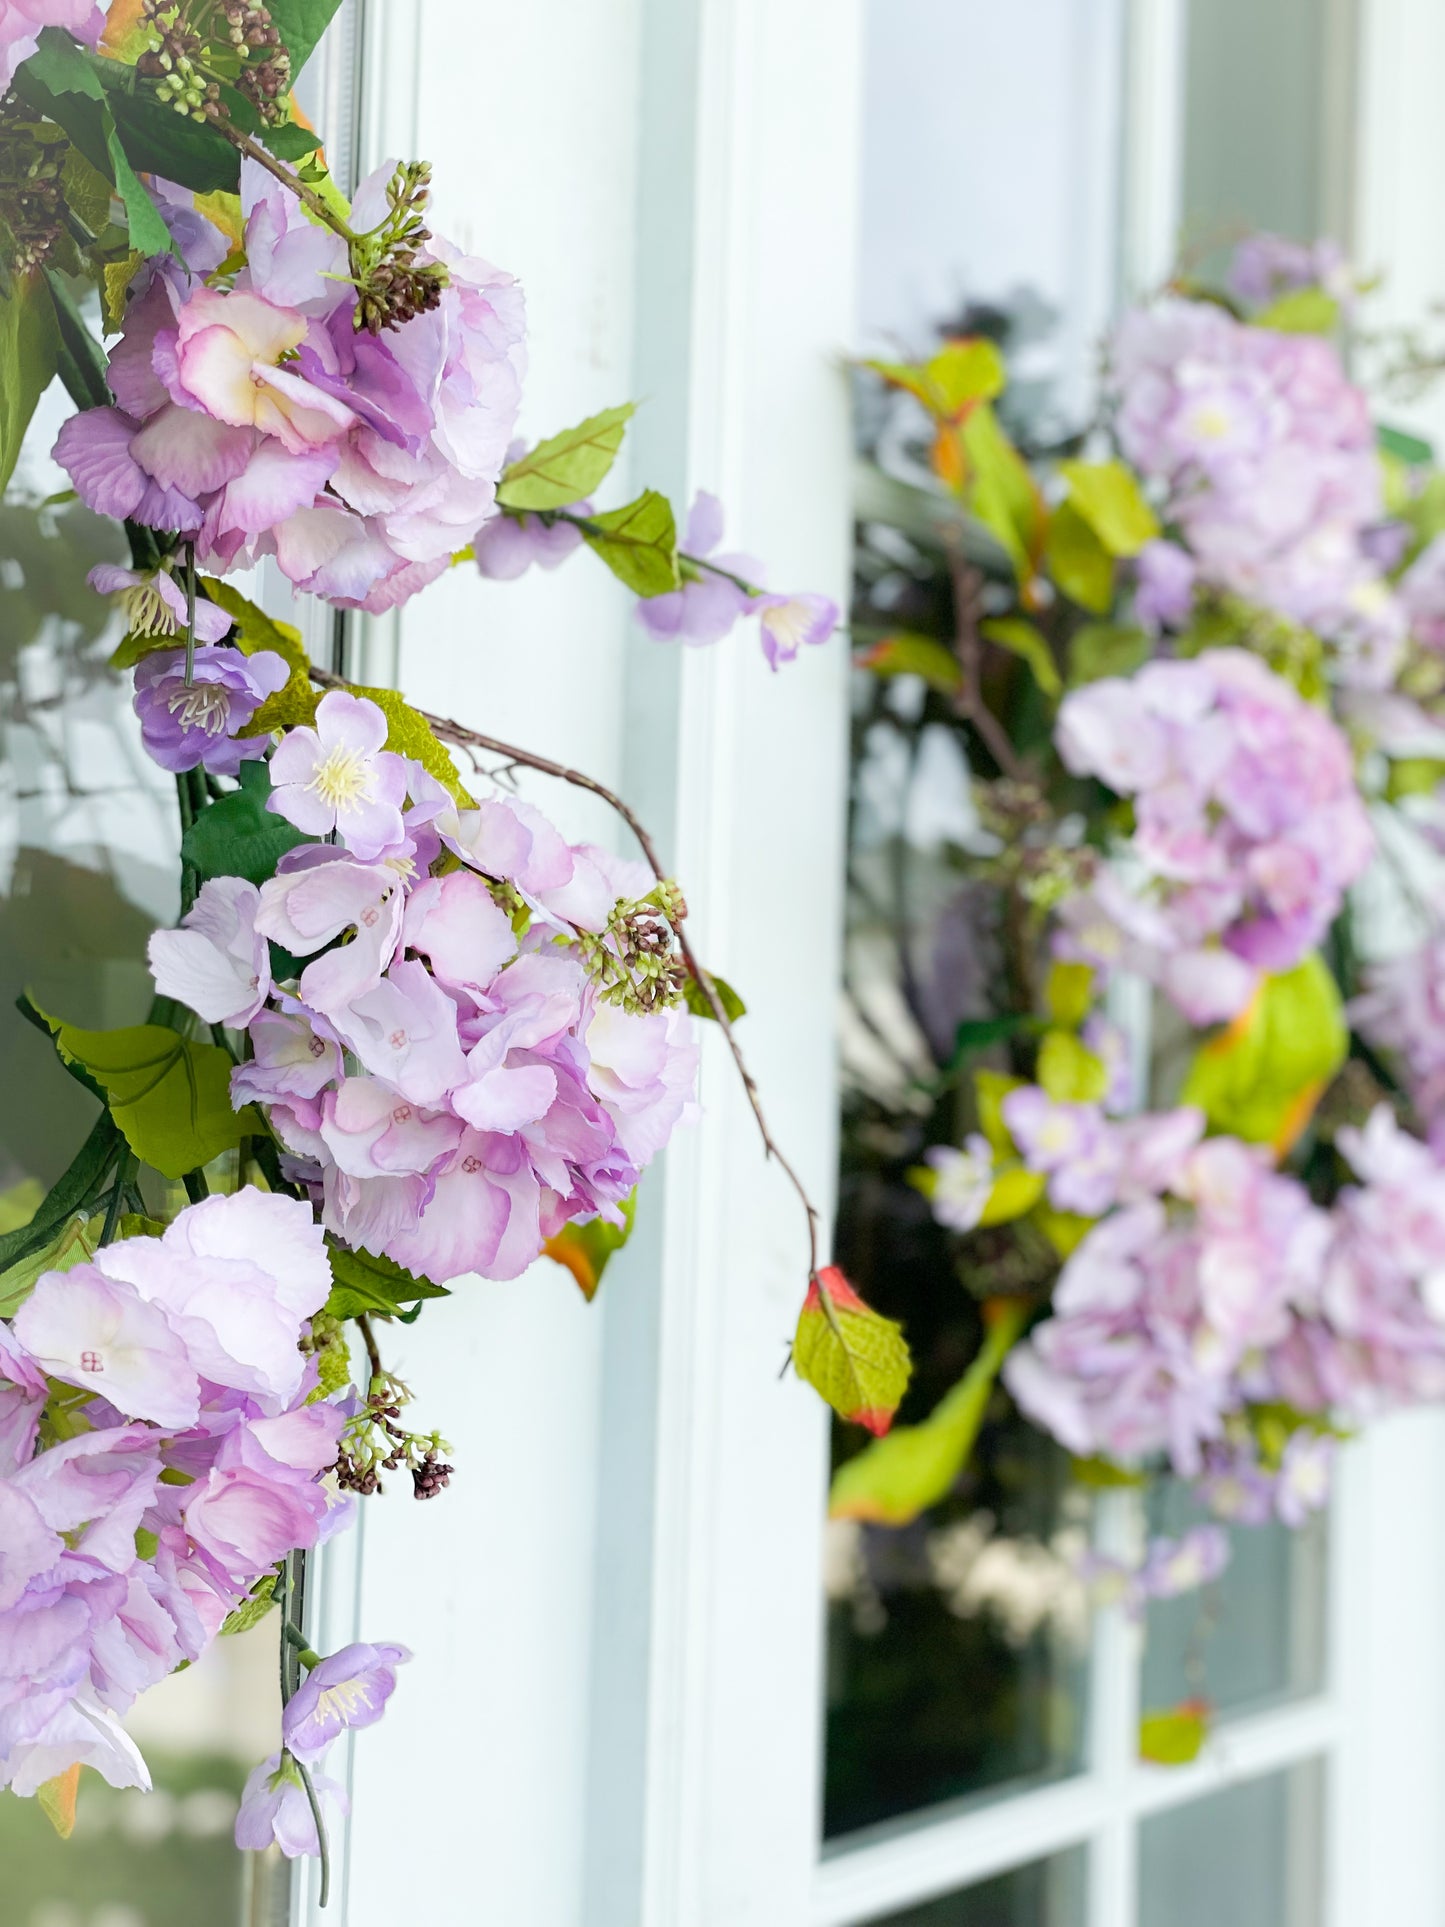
190	614
297	1638
589	527
321	1840
123	1171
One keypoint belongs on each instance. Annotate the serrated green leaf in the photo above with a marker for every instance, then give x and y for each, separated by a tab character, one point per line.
87	191
74	1244
170	1095
1108	497
237	836
1077	560
409	734
1262	1076
638	543
1022	639
1069	1071
584	1249
857	1359
895	1478
301	24
1307	311
116	277
1102	649
28	340
564	468
908	654
253	1608
695	997
295	702
365	1282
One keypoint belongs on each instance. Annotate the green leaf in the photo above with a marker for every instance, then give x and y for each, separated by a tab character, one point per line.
1014	1194
56	1800
77	1241
584	1249
908	654
290	141
1021	638
28	338
999	489
87	191
964	371
695	997
1262	1076
638	543
294	703
894	1479
254	1607
1078	561
1104	1476
408	733
855	1358
364	1282
237	836
1108	497
301	24
1069	1071
1175	1737
1307	311
160	141
1413	776
1065	1230
1069	993
990	1090
170	1095
561	470
1410	449
1104	649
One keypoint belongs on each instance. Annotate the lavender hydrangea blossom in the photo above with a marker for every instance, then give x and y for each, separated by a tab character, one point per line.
192	722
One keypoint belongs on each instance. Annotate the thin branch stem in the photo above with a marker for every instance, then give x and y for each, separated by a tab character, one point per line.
292	182
190	613
589	527
449	731
969	702
369	1339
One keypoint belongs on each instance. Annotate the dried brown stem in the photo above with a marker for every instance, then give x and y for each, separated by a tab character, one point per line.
457	734
292	182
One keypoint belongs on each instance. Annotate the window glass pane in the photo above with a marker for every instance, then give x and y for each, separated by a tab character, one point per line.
1252	1639
1249	1856
88	842
1050	1893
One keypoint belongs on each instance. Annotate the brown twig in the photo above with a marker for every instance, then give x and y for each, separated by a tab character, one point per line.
448	731
292	182
969	702
369	1340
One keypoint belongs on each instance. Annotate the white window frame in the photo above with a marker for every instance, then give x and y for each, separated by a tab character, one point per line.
626	1732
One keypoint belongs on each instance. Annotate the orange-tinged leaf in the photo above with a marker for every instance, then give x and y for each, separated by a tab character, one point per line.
585	1248
57	1800
857	1359
125	35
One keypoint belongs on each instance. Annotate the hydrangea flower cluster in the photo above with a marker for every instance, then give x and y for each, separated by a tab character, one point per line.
1229	1289
458	1063
1248	826
1265	456
162	1444
259	420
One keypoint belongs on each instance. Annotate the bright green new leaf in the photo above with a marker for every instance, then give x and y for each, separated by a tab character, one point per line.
1069	993
1262	1076
1065	1230
990	1089
1078	561
1104	1476
254	1607
1021	638
695	997
638	543
170	1095
1000	491
856	1358
1069	1071
116	277
1014	1195
561	470
1413	776
964	371
1175	1737
408	733
1102	649
1307	311
27	361
364	1282
237	836
295	702
1107	495
895	1478
75	1243
584	1249
908	654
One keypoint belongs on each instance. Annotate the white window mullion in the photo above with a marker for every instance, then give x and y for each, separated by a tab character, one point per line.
1114	1724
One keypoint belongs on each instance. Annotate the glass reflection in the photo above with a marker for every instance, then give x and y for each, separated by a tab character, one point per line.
1050	1893
1249	1856
88	842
